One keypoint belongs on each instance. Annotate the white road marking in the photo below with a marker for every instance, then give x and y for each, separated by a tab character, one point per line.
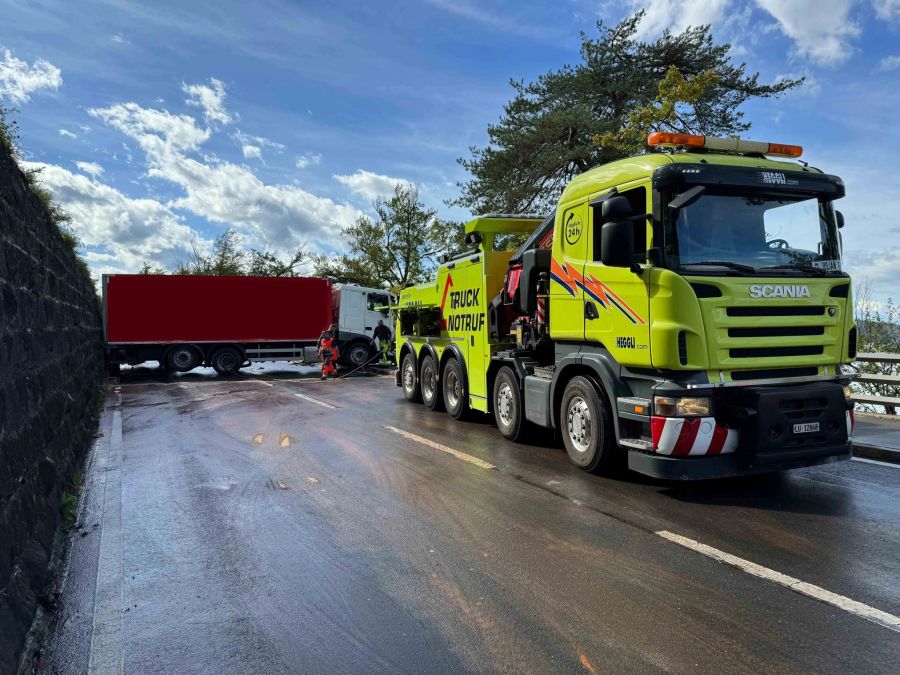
106	634
316	401
875	461
268	384
443	448
841	602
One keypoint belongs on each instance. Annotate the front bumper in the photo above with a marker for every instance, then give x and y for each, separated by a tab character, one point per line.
722	466
759	429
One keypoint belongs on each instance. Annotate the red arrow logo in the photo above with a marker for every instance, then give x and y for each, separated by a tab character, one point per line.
447	286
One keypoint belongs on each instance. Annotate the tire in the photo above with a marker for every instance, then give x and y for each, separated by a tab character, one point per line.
358	353
456	398
509	404
410	379
430	385
227	361
183	358
586	426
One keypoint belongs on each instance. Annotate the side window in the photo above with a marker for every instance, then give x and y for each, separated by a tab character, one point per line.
377	300
637	197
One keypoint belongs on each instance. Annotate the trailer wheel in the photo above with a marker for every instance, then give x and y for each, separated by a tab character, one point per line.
183	358
509	404
409	379
456	399
586	425
227	361
428	381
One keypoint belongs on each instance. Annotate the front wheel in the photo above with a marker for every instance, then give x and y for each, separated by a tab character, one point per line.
409	379
509	404
428	380
358	354
456	399
586	425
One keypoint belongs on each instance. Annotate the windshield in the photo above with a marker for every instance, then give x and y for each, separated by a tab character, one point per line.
722	232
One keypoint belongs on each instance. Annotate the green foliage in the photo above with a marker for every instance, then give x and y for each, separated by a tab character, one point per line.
9	133
147	268
68	501
878	332
549	131
228	258
396	249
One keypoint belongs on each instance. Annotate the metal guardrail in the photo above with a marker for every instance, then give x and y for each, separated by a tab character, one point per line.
889	402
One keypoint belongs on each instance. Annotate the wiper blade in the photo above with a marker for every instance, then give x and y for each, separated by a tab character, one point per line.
800	268
739	267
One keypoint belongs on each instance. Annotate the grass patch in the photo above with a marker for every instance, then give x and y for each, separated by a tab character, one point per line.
68	501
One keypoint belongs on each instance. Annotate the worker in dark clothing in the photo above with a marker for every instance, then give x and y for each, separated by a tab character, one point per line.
383	335
328	351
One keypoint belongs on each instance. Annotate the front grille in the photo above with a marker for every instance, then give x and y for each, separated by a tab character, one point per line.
775	331
769	373
762	352
777	310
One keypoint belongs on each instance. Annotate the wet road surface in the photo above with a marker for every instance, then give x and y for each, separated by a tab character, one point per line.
269	524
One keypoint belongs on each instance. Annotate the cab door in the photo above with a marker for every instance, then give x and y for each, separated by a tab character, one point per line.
570	249
620	298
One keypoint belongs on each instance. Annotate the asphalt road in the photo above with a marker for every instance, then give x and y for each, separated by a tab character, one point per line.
267	525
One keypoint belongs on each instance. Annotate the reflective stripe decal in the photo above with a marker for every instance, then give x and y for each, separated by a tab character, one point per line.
691	436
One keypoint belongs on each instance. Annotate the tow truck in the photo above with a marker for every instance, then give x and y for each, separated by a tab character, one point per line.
683	313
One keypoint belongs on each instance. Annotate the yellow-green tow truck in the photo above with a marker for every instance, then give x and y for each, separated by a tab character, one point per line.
683	312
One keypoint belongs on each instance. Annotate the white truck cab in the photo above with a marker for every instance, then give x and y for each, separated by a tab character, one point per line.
356	317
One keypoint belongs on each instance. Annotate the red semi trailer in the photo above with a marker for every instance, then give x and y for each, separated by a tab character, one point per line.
184	321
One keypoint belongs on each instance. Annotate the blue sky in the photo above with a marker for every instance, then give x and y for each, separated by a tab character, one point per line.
160	124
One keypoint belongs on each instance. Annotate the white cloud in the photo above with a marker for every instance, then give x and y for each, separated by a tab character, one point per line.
370	185
889	63
252	146
211	98
678	14
119	39
308	159
18	80
67	134
278	215
131	230
887	10
822	30
91	168
251	151
156	130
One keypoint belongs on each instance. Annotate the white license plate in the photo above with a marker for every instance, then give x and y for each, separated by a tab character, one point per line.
807	428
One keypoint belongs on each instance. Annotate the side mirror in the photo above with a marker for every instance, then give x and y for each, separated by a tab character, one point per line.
473	238
615	209
617	241
840	219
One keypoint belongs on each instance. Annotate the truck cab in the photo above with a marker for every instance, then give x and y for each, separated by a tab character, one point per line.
683	312
357	311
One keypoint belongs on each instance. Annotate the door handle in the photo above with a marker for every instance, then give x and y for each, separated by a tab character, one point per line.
590	311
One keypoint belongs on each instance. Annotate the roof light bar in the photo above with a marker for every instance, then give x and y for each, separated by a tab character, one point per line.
736	145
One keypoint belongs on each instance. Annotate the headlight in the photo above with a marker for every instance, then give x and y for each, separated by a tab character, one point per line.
666	406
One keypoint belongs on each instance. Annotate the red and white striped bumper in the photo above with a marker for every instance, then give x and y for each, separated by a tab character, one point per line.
691	436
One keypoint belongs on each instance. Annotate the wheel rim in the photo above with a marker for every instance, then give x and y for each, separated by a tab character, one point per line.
428	383
453	392
228	362
183	358
409	377
358	356
579	424
505	404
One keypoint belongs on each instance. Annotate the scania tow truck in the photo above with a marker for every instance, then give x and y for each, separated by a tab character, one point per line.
683	312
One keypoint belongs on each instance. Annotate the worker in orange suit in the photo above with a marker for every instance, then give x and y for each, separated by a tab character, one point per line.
328	351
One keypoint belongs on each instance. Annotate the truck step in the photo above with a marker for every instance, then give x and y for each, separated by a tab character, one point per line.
544	372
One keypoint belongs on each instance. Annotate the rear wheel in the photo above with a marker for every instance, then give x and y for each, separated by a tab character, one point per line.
586	425
456	399
183	358
428	380
509	404
227	361
409	379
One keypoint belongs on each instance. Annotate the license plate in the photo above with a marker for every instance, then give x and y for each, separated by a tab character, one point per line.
807	428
